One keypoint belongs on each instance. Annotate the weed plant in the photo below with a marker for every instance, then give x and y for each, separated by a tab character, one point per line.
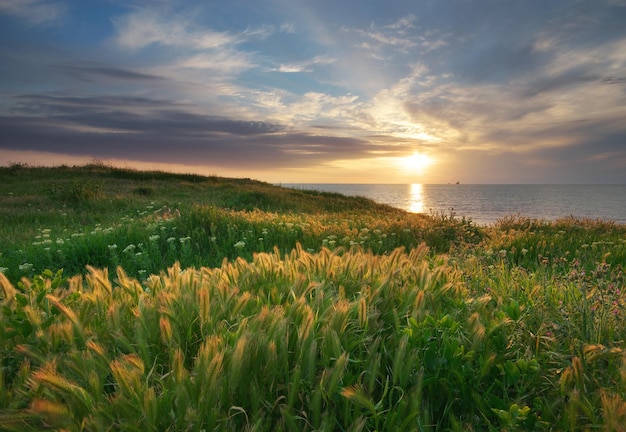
270	309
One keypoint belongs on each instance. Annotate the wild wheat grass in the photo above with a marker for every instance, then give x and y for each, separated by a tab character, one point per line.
179	316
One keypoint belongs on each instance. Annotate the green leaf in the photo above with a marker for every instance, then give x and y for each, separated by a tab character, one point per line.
25	328
512	372
21	299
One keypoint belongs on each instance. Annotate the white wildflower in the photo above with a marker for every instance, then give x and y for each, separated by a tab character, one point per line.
25	267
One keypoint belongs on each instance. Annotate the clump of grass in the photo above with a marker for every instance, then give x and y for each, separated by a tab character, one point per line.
309	341
303	341
14	167
143	191
76	192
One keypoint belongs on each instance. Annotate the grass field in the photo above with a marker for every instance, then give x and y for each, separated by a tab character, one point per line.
148	301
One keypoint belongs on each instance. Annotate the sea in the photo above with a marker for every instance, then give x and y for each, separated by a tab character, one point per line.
486	204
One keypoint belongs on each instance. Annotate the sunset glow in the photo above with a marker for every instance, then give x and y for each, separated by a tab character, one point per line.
416	163
301	91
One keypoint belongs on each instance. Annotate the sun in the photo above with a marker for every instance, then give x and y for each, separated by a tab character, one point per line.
416	163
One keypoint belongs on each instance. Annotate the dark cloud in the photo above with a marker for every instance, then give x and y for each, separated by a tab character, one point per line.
97	73
614	80
135	114
107	128
561	82
46	105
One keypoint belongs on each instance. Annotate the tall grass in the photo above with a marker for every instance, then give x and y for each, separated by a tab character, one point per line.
333	340
156	237
163	315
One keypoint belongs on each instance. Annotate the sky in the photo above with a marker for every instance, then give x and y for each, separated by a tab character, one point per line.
320	91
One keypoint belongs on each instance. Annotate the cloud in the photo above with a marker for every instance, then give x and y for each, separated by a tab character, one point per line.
159	130
224	62
299	111
532	85
395	35
306	65
145	27
404	36
56	107
192	54
222	142
288	28
407	22
132	115
35	12
385	39
96	72
262	32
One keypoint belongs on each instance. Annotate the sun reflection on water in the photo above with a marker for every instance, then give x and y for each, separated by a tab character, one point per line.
416	198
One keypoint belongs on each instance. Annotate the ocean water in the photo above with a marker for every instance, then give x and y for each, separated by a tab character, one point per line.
485	204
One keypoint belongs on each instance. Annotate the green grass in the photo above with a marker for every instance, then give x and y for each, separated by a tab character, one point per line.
152	301
102	216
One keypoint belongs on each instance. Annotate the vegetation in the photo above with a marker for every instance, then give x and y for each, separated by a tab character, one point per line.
153	301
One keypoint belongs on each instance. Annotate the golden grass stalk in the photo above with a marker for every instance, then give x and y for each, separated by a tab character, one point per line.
54	414
7	291
331	379
166	330
79	333
76	398
613	411
238	362
358	396
128	372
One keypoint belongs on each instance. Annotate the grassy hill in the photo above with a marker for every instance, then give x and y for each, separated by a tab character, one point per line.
70	217
154	301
